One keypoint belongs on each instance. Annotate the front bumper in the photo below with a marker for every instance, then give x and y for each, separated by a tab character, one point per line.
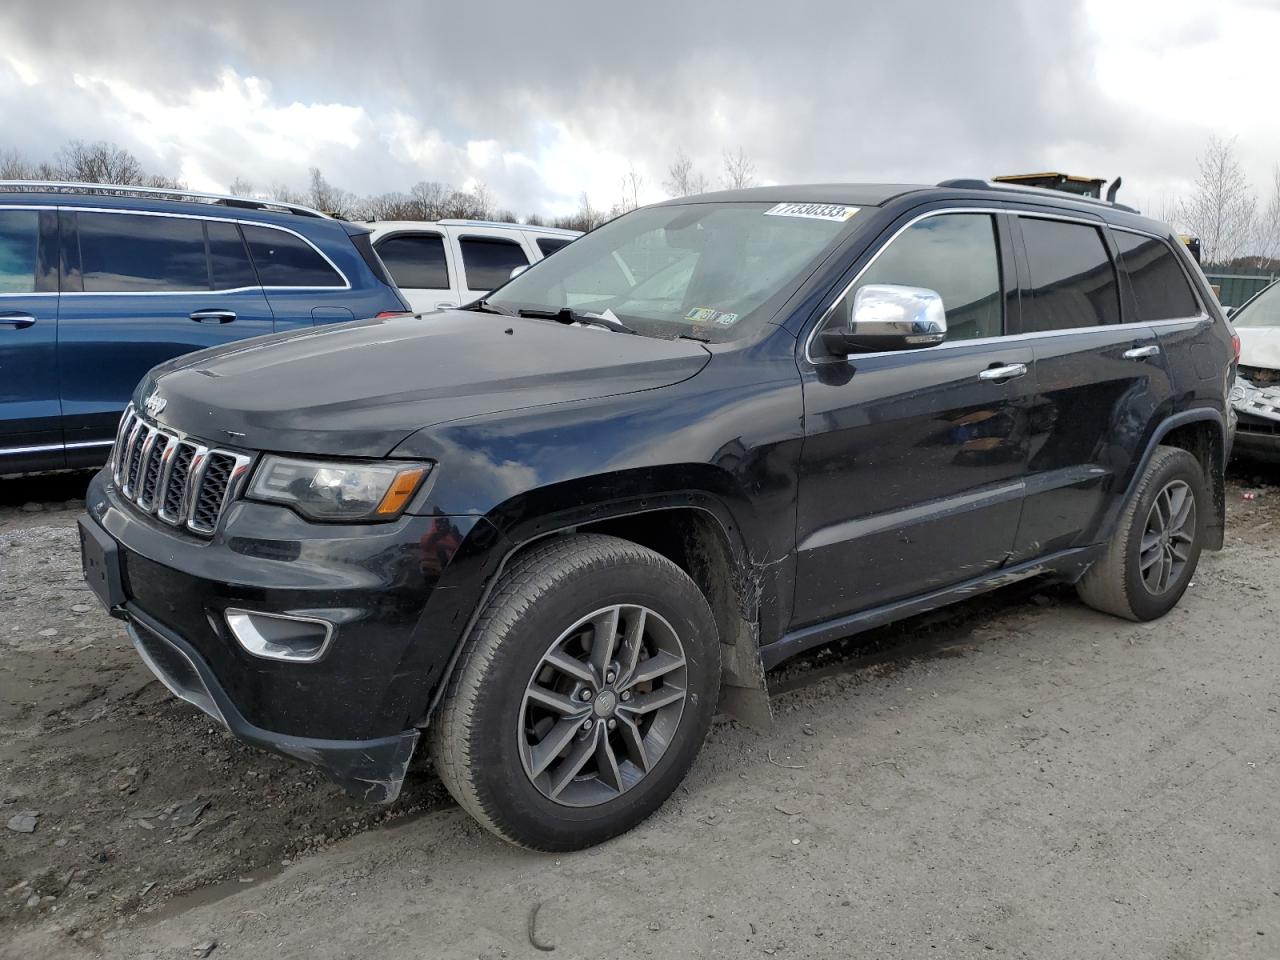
1257	411
355	711
371	770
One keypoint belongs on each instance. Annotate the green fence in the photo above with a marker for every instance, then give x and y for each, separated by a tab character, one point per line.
1235	288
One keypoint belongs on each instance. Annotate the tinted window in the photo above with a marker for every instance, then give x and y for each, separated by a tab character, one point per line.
1072	278
228	258
488	261
416	260
126	252
958	256
19	242
549	245
1158	283
284	260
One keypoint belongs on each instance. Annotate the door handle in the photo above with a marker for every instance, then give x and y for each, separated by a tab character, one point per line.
445	305
16	318
213	316
1006	371
1141	353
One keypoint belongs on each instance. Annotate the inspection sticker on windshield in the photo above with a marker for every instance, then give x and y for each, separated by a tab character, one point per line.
707	315
813	211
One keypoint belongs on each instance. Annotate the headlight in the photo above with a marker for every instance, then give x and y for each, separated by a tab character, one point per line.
338	491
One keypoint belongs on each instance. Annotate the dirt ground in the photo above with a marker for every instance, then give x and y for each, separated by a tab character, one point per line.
1020	777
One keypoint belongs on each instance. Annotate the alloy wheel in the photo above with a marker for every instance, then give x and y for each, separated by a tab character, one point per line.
603	705
1168	537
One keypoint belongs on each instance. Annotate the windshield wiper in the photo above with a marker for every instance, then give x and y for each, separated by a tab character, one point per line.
569	315
484	306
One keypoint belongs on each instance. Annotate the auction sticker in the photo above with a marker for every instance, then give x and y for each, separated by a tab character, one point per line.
837	212
708	315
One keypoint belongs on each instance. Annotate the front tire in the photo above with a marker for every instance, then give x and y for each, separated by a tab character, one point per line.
1153	553
582	696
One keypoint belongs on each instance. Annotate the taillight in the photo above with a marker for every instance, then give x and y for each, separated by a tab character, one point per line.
406	313
1235	345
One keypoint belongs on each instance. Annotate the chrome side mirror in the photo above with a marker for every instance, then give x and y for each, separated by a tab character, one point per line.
889	317
516	271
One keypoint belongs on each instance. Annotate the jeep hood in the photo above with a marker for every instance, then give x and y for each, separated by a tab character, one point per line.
360	388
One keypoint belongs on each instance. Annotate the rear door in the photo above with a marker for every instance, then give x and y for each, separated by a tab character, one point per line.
487	256
30	414
140	288
913	460
419	264
1100	381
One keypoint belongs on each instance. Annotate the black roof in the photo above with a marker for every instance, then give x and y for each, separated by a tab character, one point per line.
854	194
978	191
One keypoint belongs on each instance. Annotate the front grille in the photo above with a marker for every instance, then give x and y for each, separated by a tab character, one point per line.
180	480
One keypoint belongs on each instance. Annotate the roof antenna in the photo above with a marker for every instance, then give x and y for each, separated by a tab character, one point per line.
1111	190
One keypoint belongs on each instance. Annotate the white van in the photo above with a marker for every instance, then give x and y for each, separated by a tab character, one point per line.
439	264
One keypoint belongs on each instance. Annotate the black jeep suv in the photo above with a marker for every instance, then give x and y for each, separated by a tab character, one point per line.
546	530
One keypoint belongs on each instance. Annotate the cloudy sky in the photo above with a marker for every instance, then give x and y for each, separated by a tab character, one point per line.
543	99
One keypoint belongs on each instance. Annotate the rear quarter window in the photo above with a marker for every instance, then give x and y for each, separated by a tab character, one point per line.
1158	283
285	260
549	245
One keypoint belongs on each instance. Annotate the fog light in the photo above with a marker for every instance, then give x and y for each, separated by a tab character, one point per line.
277	636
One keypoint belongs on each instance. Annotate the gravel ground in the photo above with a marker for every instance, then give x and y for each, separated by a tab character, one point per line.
1020	777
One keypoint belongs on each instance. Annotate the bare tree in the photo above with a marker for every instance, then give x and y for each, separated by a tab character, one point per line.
330	199
14	166
682	179
99	162
240	187
631	184
1221	208
739	172
428	199
1266	243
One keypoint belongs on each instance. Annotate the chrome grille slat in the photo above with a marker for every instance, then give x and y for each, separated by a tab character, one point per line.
181	481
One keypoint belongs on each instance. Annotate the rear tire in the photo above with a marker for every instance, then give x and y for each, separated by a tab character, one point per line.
582	696
1153	553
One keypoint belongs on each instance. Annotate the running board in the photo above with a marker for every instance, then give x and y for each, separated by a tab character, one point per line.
1066	564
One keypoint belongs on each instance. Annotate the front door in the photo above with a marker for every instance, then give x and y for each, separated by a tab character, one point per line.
487	256
30	415
913	461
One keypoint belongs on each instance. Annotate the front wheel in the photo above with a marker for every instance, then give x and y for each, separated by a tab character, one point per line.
1153	553
582	696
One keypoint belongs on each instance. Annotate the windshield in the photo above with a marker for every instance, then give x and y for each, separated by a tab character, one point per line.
1262	311
713	271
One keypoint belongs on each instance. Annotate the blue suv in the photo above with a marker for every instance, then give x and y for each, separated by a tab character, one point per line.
98	284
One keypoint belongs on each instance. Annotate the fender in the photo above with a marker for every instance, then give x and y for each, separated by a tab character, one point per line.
1162	430
493	551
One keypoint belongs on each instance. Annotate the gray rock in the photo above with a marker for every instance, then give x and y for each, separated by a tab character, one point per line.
204	949
33	507
48	632
80	608
24	822
189	813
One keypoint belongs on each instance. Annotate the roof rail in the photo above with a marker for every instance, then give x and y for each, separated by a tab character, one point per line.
454	222
969	183
129	190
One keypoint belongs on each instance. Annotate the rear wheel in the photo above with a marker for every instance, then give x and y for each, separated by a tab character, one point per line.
1153	553
583	695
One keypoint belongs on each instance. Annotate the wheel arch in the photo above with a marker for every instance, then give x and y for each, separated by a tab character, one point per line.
1203	434
700	536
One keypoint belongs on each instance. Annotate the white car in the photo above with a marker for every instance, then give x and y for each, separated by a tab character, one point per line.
439	264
